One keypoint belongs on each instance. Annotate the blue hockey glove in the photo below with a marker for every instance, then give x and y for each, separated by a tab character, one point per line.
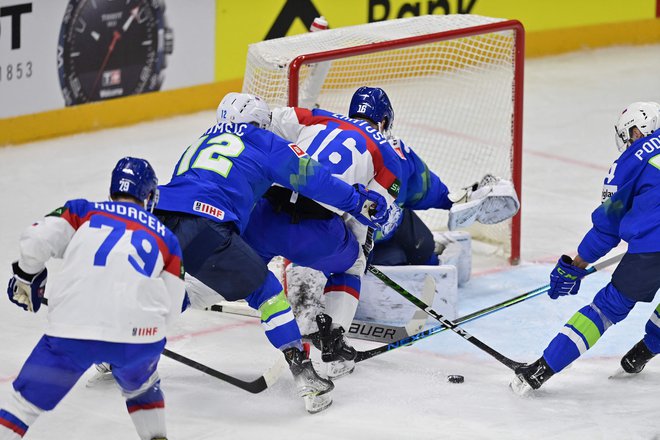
565	278
371	208
26	290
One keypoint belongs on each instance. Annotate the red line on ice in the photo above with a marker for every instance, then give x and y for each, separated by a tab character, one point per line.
220	328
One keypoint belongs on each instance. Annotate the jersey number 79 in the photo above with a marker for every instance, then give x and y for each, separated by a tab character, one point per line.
144	244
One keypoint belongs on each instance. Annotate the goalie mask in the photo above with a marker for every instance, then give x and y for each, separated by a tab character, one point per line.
643	115
243	108
372	103
136	178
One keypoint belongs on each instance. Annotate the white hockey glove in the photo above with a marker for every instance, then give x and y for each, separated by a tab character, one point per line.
490	201
26	290
393	219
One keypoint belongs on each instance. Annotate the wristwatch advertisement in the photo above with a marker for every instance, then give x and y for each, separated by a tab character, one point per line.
109	49
57	53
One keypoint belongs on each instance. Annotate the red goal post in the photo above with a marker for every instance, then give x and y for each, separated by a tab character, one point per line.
455	82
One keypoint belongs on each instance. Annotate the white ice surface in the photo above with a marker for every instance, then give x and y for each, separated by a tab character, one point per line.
571	102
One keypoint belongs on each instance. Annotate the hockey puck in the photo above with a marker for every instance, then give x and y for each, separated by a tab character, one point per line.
455	378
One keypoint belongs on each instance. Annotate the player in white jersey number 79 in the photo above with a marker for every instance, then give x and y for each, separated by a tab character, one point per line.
120	287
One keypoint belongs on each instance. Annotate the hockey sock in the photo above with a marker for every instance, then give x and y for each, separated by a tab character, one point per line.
276	315
586	327
652	336
17	416
342	292
279	323
147	411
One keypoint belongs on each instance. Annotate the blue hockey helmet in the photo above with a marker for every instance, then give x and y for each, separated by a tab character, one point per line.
372	103
136	178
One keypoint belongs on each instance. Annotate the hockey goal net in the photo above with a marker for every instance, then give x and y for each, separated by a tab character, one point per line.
455	82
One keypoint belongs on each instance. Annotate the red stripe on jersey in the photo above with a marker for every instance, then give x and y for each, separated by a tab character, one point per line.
382	174
73	219
346	289
14	427
171	263
153	405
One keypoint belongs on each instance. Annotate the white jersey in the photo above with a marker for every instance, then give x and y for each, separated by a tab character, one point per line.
351	149
121	278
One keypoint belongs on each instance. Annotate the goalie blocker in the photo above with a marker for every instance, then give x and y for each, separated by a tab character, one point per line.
490	201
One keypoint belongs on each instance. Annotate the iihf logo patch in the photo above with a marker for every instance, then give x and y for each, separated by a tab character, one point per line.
145	331
208	209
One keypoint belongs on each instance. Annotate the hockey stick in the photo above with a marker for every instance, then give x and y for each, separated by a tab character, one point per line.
235	308
368	354
511	364
377	332
256	386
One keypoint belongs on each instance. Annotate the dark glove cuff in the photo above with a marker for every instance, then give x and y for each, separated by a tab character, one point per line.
21	274
567	260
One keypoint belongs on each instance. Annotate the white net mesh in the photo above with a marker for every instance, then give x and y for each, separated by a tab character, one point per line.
453	100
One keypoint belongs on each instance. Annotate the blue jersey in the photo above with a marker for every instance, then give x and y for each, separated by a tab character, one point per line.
421	188
631	207
230	167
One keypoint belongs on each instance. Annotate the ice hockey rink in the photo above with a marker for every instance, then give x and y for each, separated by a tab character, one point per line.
571	103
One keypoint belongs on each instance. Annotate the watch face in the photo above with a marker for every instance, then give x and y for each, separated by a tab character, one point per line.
110	48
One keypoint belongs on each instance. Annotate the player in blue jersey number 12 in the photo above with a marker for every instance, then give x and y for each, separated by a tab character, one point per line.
207	204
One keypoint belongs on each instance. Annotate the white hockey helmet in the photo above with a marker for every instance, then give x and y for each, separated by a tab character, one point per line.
243	108
643	115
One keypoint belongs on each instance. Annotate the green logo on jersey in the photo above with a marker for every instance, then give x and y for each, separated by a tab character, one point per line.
58	212
394	188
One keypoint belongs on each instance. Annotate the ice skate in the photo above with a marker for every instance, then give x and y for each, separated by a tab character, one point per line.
102	375
335	351
633	362
530	377
310	386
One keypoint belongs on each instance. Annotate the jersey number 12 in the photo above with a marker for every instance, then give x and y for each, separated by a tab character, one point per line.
213	154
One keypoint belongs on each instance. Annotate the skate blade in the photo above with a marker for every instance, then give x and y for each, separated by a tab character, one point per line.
310	391
520	387
335	370
620	373
317	403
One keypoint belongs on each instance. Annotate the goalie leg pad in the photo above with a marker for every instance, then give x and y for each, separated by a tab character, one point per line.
455	248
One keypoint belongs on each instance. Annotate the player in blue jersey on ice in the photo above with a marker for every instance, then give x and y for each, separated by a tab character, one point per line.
359	149
208	203
630	211
119	288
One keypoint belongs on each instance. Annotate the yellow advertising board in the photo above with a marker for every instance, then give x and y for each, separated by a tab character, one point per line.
211	37
240	23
